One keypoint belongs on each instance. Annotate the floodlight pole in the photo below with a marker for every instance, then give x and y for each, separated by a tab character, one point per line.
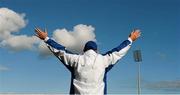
138	59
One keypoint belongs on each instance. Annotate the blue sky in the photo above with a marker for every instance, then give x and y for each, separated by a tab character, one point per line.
113	20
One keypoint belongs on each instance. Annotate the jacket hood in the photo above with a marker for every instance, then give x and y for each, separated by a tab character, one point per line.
90	45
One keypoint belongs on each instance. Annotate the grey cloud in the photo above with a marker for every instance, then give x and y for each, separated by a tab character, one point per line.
172	85
3	68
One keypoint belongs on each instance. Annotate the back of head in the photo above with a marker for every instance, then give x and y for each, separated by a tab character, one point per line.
90	45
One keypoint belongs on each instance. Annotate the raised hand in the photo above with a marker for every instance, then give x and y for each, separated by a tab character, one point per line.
41	34
135	34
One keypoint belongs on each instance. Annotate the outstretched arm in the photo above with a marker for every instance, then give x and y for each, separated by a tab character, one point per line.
118	52
58	49
43	35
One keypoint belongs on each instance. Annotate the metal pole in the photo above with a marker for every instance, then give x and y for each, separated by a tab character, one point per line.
138	59
139	79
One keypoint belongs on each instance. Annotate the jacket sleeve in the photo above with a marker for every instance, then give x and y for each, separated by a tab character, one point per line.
66	57
112	56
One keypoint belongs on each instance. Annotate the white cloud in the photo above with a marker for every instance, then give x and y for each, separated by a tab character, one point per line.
21	42
76	39
11	22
